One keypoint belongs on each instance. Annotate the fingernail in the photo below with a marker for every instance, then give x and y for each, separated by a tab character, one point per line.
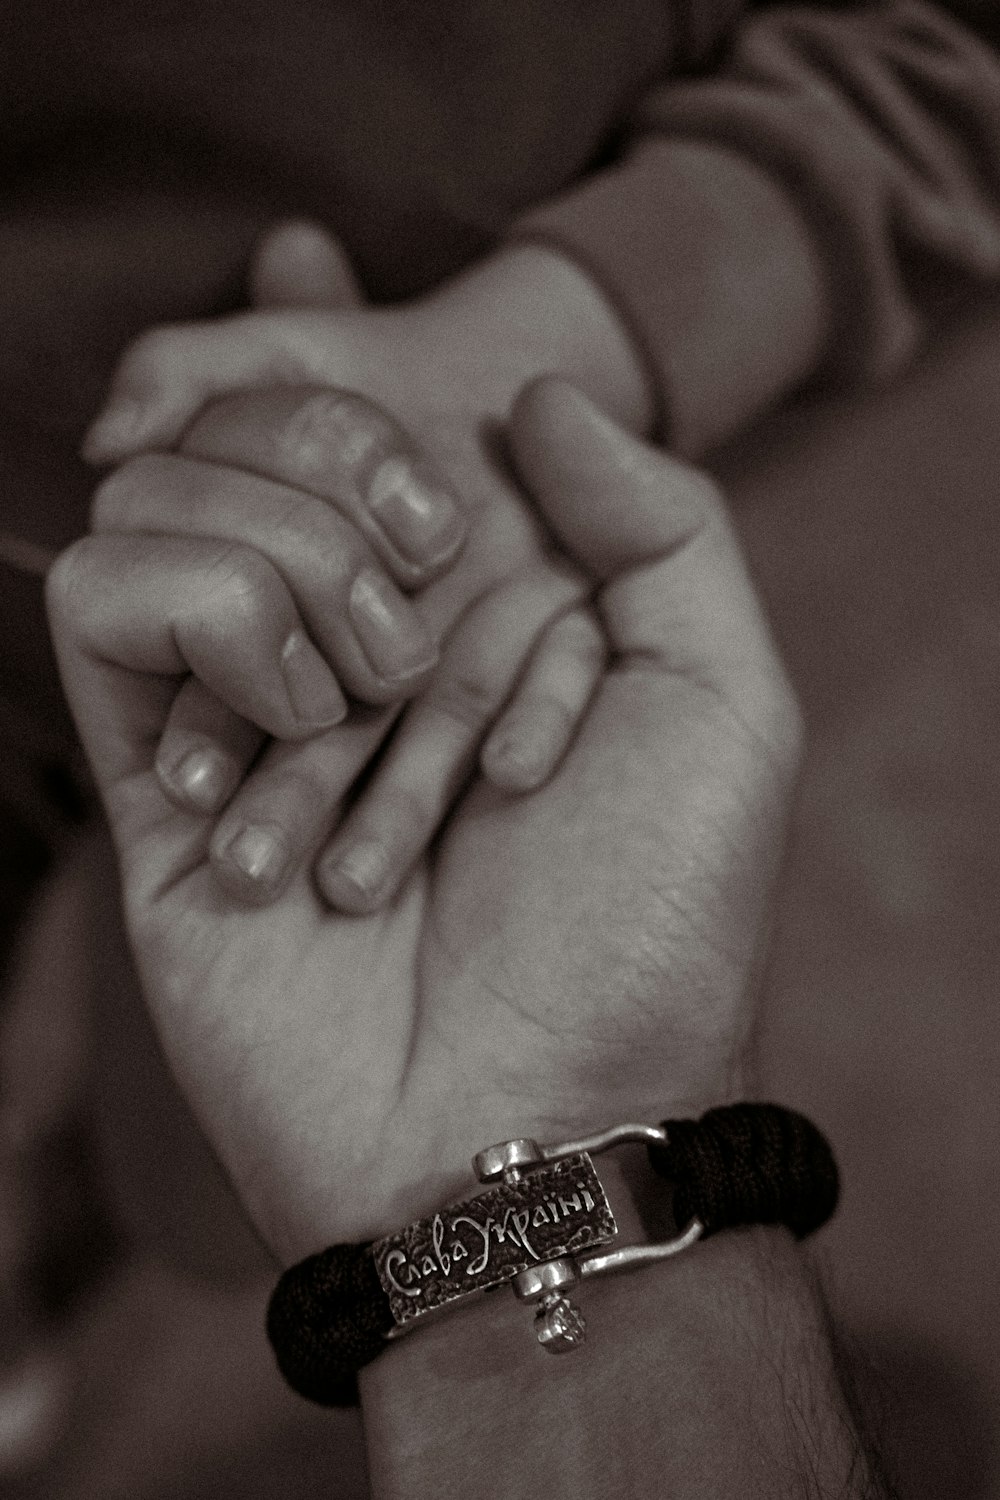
116	430
362	865
420	517
391	633
515	759
204	778
312	687
259	853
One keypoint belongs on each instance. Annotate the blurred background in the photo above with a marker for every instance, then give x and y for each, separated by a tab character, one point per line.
133	1364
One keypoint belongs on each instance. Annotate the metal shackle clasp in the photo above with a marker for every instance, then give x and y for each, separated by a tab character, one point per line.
543	1224
559	1325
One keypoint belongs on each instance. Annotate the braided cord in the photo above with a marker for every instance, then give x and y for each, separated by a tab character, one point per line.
738	1164
749	1164
327	1318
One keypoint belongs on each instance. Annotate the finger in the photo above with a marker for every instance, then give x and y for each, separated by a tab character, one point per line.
345	450
181	381
205	750
284	810
167	375
675	599
435	746
693	728
300	264
370	633
124	608
536	727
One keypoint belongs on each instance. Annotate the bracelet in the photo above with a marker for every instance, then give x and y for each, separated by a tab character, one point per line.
540	1226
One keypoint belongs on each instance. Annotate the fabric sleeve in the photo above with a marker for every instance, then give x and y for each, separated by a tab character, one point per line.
802	212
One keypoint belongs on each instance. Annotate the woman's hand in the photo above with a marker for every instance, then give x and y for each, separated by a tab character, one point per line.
518	657
559	961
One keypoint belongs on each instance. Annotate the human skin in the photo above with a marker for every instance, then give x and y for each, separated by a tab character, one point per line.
557	961
517	663
561	961
708	1377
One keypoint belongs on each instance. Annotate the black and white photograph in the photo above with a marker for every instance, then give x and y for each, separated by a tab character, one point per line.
499	750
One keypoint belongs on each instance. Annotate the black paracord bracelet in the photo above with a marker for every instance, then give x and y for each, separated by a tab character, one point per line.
538	1228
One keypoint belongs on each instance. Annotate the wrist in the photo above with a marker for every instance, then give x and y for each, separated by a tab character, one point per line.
300	1215
632	1186
529	310
545	1225
682	1387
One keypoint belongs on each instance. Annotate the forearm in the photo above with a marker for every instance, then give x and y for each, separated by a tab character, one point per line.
804	209
703	1378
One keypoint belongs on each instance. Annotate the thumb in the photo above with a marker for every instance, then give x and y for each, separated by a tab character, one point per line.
300	264
653	534
612	501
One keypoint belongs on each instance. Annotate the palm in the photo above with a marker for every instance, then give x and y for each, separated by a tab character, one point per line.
351	1066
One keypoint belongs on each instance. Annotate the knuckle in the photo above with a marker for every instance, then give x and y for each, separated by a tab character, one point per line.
242	584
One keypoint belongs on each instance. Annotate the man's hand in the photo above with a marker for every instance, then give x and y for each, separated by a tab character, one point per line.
559	961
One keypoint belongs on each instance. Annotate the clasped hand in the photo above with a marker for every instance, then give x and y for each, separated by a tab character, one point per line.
557	959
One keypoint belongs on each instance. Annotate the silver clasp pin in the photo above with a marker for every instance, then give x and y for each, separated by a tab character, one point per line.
559	1325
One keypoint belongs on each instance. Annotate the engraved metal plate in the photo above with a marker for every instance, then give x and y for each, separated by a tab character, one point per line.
558	1209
